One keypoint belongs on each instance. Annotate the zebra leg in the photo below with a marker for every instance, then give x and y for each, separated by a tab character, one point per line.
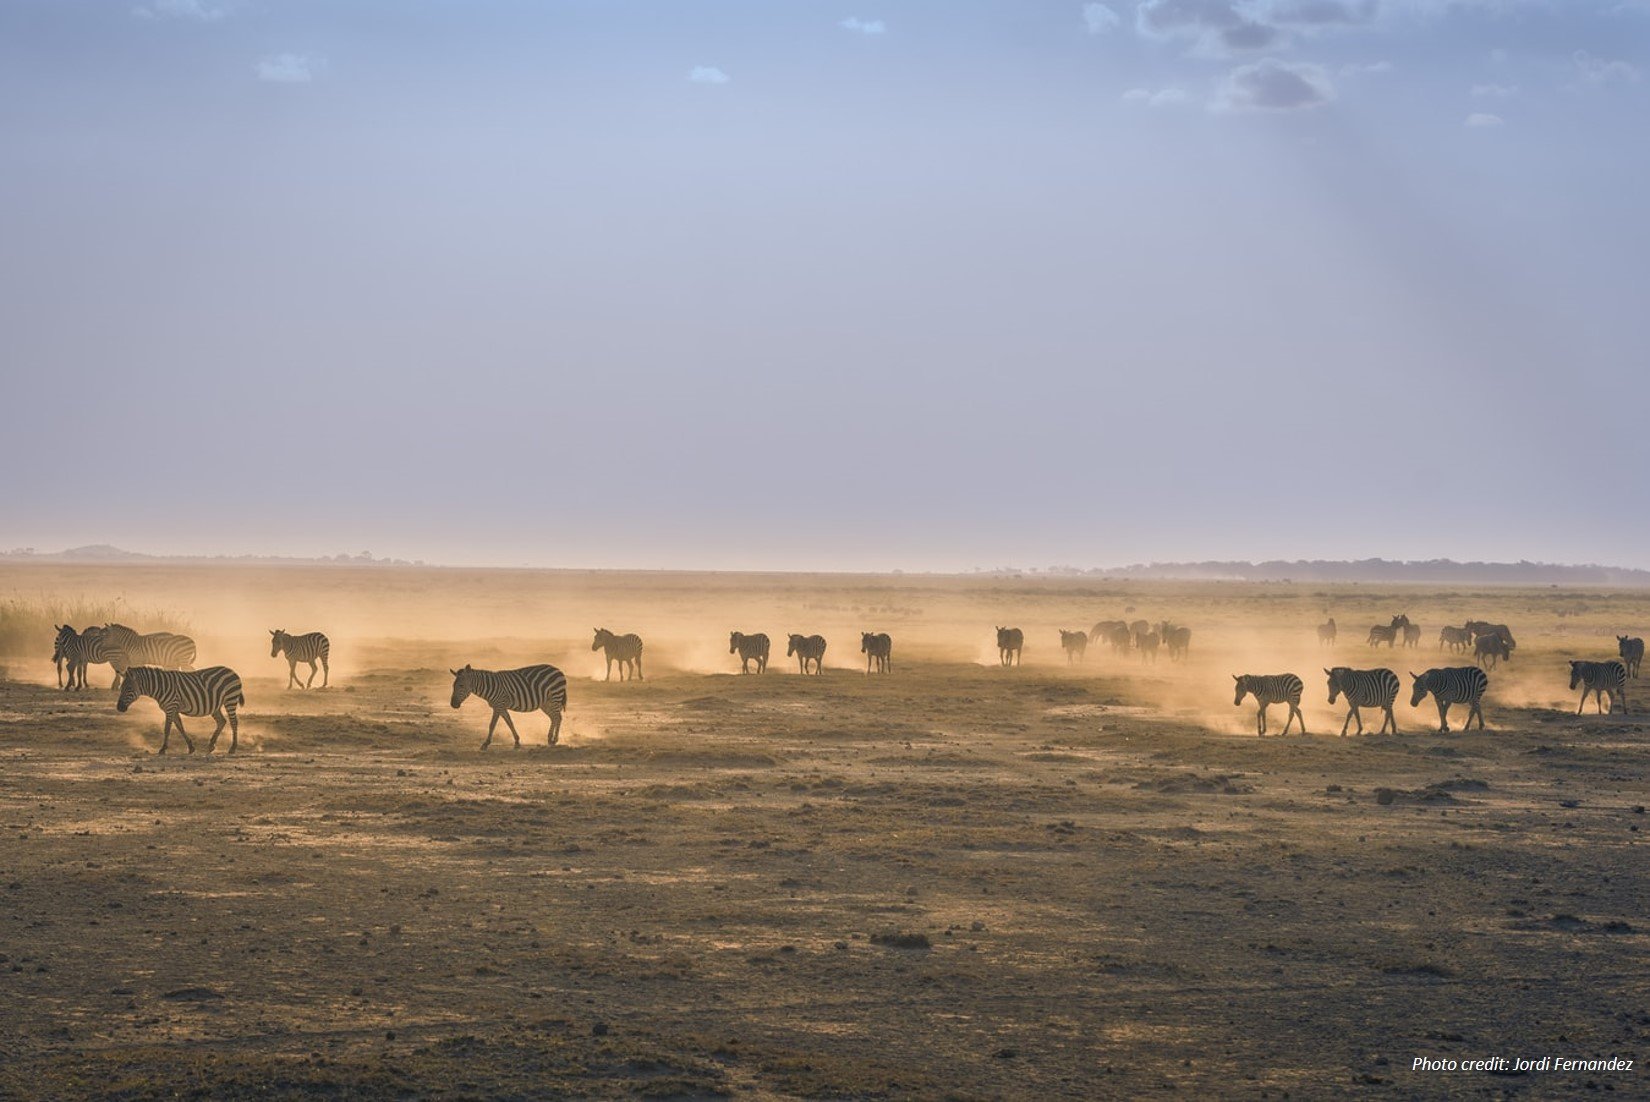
510	723
639	676
1583	702
312	671
1443	718
609	676
555	725
1477	710
216	731
326	672
493	723
234	728
1260	720
165	733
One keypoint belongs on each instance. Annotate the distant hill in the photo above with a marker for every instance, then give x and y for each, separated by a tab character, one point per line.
1428	571
105	553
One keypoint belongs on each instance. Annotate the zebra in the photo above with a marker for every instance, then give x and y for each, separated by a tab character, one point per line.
208	692
1412	635
1632	653
1456	639
77	650
1365	689
1380	634
626	650
749	648
1137	628
1490	647
1599	678
159	648
302	648
1327	632
1107	630
528	689
1075	644
1179	642
1269	689
879	648
1147	645
1452	685
1010	642
808	648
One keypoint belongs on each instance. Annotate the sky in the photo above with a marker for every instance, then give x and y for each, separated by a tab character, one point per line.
927	285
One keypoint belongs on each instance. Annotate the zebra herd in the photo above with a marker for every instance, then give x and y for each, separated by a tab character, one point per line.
160	665
1371	689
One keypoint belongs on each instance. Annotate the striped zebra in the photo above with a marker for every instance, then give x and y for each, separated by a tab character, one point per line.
1452	685
1010	642
1074	643
1456	639
1137	628
529	689
78	649
1327	632
302	648
165	649
749	648
1365	689
807	648
879	648
1179	642
1412	635
1270	689
1147	645
626	650
1599	678
1632	653
1381	633
209	692
1489	648
1481	628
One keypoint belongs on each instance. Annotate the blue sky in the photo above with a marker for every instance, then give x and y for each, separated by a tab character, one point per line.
815	285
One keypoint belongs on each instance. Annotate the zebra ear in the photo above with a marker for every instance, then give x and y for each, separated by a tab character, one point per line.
453	672
1235	677
1327	670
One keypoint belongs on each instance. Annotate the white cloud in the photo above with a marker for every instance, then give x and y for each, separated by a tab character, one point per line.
708	74
289	68
1164	97
1494	91
182	9
1218	25
1598	72
863	26
1273	85
1365	67
1479	120
1099	19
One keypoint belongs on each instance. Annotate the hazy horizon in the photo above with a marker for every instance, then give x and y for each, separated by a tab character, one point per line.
827	286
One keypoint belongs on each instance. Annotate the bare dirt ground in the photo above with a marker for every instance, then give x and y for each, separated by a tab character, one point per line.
953	881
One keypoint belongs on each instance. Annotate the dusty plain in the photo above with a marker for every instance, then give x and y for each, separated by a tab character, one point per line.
954	881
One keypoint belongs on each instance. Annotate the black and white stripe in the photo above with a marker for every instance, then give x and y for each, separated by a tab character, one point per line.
77	650
1365	689
878	648
1327	632
1113	632
1010	642
311	648
807	648
1074	643
1412	634
165	649
1269	689
750	648
1382	633
1599	678
1489	648
1147	643
208	692
528	689
1452	685
1632	653
1456	639
626	650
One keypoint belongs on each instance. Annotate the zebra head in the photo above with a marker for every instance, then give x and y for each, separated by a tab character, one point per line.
603	637
1575	674
132	686
734	639
865	638
277	640
1334	682
462	684
1422	685
1242	688
795	641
